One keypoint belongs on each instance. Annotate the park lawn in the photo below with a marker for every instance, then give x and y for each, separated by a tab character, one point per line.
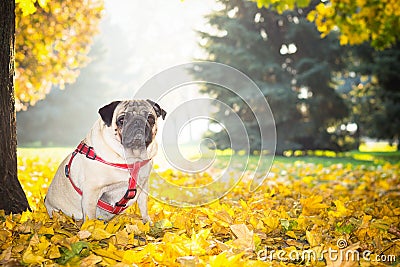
371	154
352	158
307	207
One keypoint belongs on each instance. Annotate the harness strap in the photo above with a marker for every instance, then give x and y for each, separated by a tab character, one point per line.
133	169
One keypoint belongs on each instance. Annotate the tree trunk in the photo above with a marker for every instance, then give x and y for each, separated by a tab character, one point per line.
12	197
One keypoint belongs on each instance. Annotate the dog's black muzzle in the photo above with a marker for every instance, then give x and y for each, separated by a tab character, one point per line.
136	132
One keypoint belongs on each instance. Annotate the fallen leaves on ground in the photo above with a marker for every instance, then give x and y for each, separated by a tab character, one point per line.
305	214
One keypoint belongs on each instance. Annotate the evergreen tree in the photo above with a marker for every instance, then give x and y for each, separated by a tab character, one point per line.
376	95
290	63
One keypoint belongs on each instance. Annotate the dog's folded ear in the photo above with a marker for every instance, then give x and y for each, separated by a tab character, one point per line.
107	112
158	109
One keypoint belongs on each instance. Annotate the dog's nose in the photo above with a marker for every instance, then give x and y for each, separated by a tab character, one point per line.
133	134
138	137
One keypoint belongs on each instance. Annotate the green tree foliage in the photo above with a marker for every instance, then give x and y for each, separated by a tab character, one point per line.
375	22
52	42
376	95
292	66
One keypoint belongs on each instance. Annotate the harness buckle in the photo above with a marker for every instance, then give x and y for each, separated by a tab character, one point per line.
117	204
66	170
127	193
88	153
80	148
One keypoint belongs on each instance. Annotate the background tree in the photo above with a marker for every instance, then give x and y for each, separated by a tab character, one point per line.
52	42
375	22
375	92
57	120
293	67
12	197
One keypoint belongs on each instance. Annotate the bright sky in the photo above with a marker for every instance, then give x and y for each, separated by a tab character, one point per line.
162	34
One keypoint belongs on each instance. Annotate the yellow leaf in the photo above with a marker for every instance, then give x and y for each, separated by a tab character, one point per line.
131	256
83	234
109	261
291	234
198	242
312	205
57	239
271	222
18	248
244	236
223	218
87	225
366	221
112	227
34	240
222	246
143	228
133	228
341	210
243	204
307	179
122	237
163	224
344	39
42	246
10	223
311	15
107	254
222	260
6	255
29	258
180	221
26	215
100	234
4	235
27	6
314	238
91	260
46	231
53	252
190	261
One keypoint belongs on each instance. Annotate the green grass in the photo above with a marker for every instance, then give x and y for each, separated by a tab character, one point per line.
368	160
325	158
377	157
325	161
369	154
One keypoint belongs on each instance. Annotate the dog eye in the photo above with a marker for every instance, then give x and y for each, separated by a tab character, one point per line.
151	119
120	121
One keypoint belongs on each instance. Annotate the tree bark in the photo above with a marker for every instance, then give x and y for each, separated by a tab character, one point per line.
12	197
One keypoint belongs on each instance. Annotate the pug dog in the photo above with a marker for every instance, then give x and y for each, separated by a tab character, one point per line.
109	169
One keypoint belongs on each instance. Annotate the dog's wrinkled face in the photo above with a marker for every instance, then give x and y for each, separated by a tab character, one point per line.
134	122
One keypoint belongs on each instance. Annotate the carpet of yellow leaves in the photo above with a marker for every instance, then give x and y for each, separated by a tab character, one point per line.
302	207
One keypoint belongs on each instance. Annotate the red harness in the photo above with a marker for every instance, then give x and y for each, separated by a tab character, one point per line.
133	170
